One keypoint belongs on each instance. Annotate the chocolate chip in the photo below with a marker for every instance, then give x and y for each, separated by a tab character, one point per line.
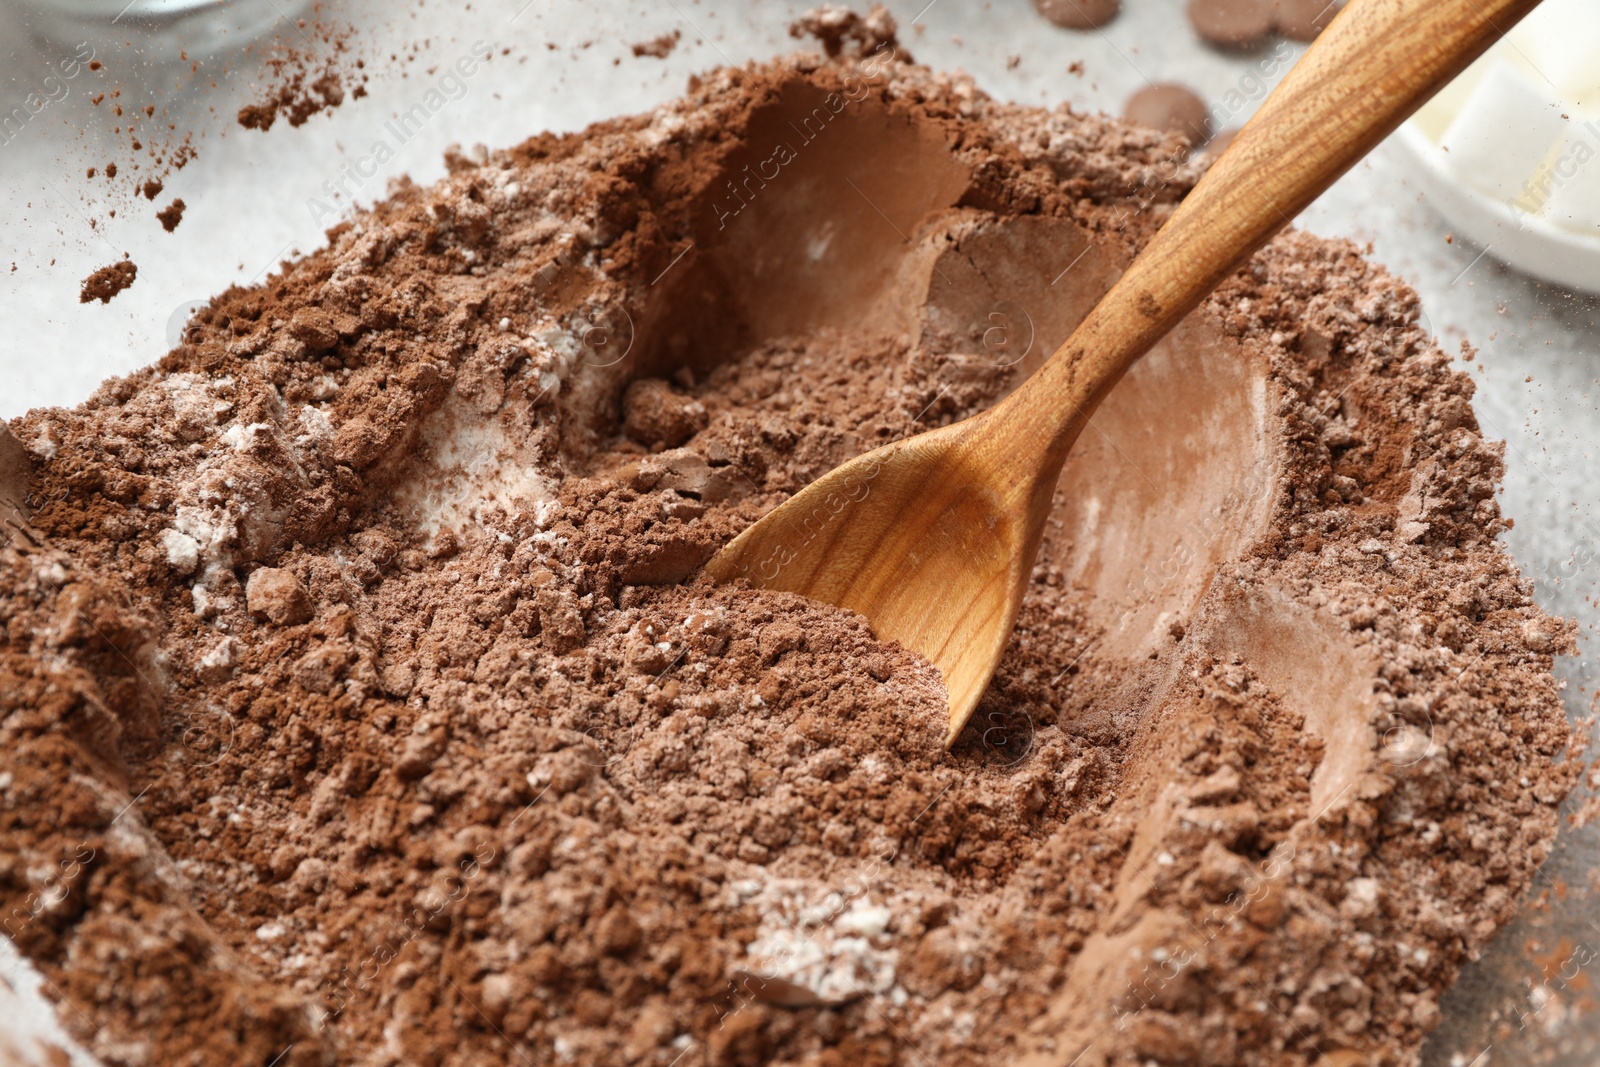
1079	14
1232	23
1171	108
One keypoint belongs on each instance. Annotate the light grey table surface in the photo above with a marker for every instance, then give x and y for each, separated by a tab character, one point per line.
250	197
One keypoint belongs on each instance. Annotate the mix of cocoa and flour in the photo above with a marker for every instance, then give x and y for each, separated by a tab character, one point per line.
362	703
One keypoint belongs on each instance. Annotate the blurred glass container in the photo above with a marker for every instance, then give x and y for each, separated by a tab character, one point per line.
162	30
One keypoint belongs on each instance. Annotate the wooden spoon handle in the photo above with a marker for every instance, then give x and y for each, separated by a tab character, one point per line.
1369	70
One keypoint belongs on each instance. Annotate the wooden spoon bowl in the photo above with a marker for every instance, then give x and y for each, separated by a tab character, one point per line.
884	530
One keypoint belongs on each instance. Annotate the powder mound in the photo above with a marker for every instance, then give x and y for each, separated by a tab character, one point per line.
359	642
107	282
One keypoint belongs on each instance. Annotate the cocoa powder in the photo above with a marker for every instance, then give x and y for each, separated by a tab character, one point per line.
306	73
107	282
172	214
359	642
658	47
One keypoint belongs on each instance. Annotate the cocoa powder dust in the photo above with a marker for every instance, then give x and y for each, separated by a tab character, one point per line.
305	75
362	704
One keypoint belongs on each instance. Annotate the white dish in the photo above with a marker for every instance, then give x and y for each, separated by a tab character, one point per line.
1509	153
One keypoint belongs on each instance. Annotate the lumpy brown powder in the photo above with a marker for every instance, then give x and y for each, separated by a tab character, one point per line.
107	282
306	74
361	703
172	214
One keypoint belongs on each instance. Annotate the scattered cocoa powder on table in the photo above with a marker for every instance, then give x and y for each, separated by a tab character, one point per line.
359	642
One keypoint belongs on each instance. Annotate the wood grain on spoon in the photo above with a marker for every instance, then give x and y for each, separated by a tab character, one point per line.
933	538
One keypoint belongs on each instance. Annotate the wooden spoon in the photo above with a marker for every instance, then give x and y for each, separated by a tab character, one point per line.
933	538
